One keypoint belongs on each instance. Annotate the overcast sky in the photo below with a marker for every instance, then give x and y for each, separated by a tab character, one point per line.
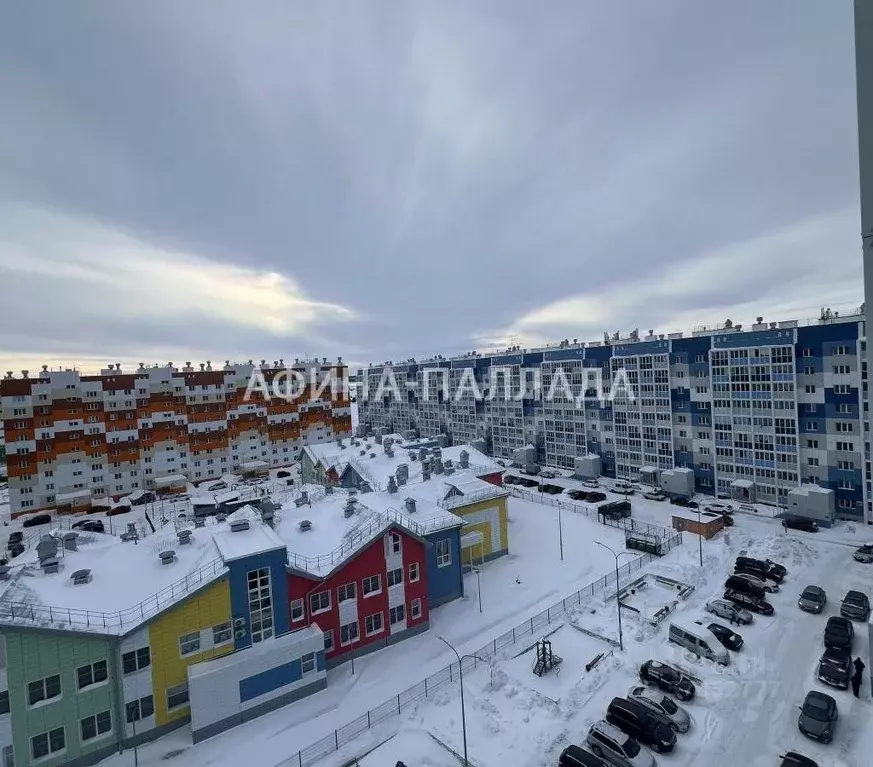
210	179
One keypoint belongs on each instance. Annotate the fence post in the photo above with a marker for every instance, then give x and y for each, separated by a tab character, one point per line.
425	687
531	625
398	704
336	740
368	720
513	636
299	759
450	672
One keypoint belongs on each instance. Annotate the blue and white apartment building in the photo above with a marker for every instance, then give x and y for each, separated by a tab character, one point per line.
765	408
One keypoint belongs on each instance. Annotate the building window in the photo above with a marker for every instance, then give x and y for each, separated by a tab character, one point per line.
372	585
45	689
395	543
397	614
177	697
140	709
307	663
346	592
415	608
319	603
93	673
328	641
189	643
4	702
222	634
94	726
443	552
297	614
373	624
349	633
136	660
395	577
260	604
47	743
414	574
812	444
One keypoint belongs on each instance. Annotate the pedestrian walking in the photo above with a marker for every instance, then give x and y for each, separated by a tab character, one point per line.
859	666
857	677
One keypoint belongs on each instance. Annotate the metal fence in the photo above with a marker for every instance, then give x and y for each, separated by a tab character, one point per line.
447	676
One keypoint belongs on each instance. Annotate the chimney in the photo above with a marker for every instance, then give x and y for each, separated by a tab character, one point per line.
410	505
392	484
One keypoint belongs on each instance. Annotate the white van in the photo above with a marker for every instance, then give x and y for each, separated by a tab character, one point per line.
699	640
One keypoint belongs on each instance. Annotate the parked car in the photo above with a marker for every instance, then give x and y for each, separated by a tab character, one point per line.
729	611
667	678
747	601
680	721
727	519
812	599
16	536
216	486
699	640
864	554
576	756
855	606
730	639
16	549
655	495
592	483
793	759
720	506
509	479
769	587
839	632
89	526
548	473
116	510
36	520
835	667
685	503
642	724
622	487
818	716
617	748
142	498
800	523
763	567
615	510
738	582
99	508
283	474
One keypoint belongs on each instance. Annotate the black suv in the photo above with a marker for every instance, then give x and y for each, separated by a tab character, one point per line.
793	759
36	521
800	523
90	526
747	601
855	606
762	567
668	679
839	633
835	667
641	723
686	503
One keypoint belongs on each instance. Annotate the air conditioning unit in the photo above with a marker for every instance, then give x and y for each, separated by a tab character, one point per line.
239	634
239	623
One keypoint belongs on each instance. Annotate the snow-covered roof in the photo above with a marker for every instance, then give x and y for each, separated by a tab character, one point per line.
809	489
747	483
691	515
253	465
258	539
129	582
170	479
332	538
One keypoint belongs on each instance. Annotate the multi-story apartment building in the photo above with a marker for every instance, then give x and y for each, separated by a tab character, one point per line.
75	438
758	410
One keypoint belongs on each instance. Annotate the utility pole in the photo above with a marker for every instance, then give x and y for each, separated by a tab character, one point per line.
617	600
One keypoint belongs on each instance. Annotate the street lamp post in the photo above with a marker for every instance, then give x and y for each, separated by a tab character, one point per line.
617	600
478	572
463	710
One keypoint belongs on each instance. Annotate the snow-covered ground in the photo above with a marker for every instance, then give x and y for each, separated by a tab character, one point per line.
744	715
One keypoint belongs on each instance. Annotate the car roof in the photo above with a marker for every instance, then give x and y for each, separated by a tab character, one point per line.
838	620
813	587
855	595
610	731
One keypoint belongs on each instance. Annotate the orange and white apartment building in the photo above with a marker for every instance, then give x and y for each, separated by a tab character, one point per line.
73	440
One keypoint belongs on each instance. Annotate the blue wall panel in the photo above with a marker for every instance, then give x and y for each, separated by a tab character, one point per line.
641	348
239	596
559	355
686	350
444	583
268	681
753	338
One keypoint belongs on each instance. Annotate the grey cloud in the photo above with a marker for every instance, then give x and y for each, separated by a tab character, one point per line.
439	168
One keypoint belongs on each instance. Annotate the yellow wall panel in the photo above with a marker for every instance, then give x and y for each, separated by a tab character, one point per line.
206	609
484	526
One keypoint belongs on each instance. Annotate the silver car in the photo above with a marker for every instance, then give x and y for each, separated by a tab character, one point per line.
864	554
769	586
662	704
617	748
812	599
729	611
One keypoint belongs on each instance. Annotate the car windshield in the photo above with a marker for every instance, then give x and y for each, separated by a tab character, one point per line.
810	593
854	597
817	708
838	628
668	705
631	748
